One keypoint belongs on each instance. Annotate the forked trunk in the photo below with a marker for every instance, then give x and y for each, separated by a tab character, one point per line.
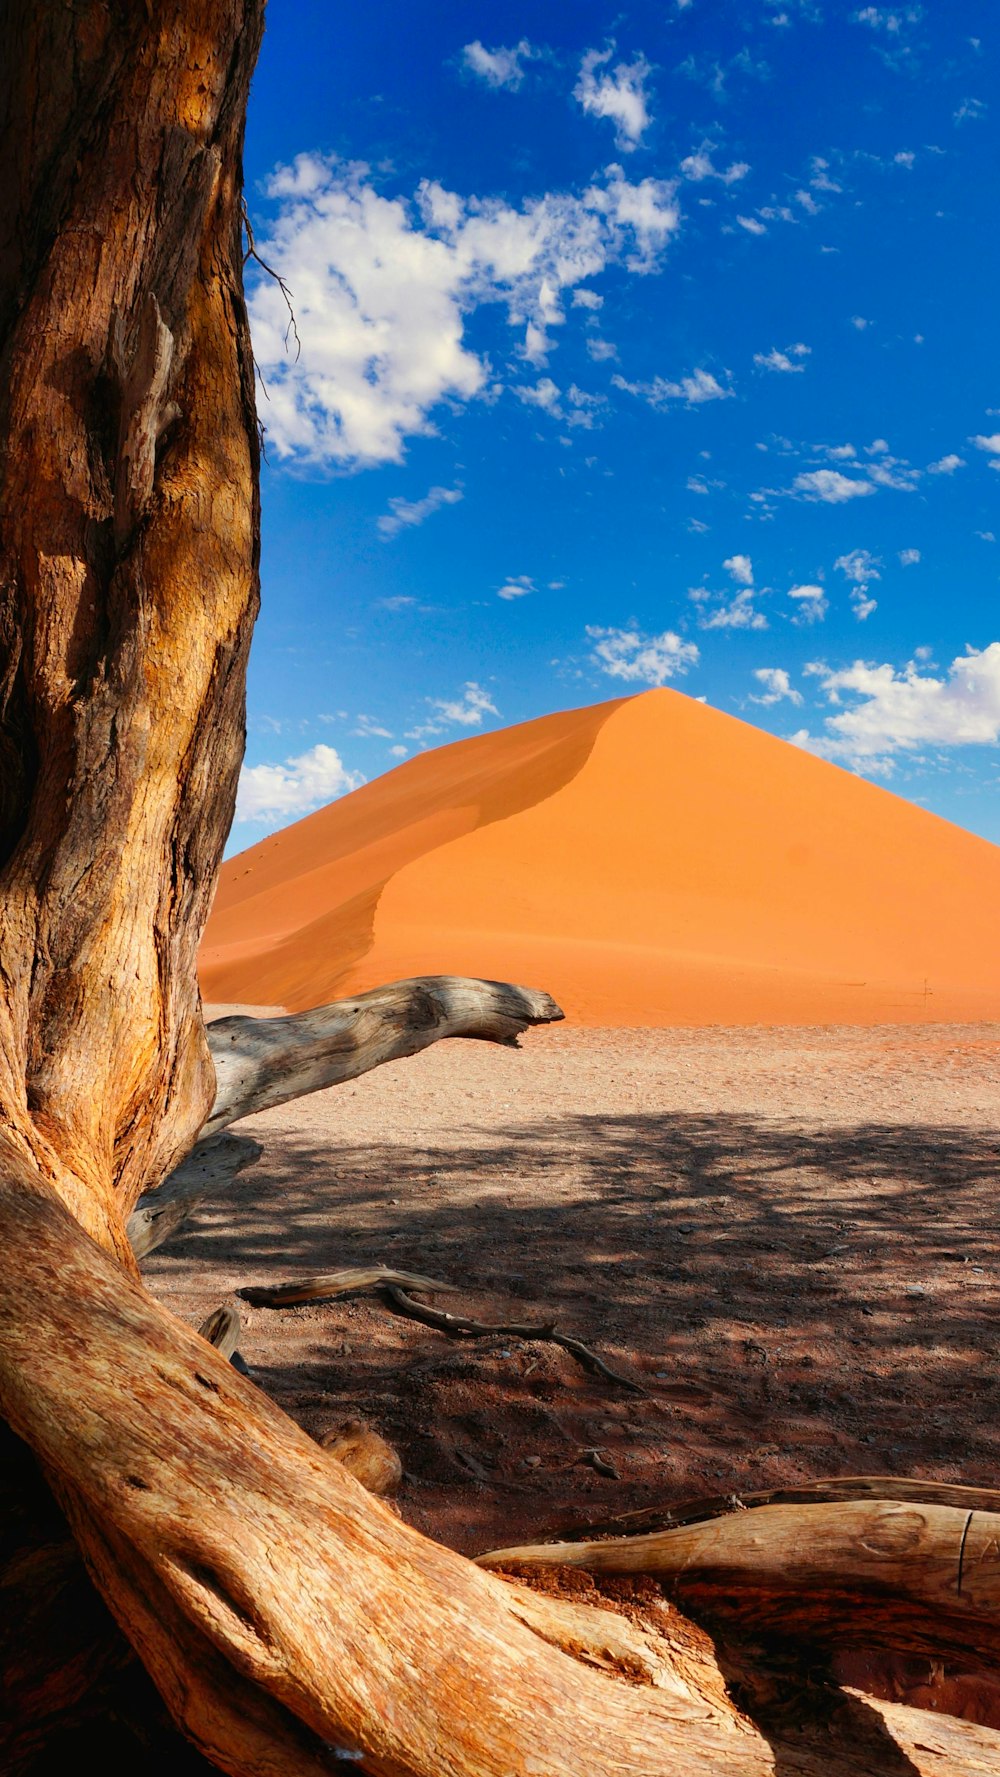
290	1621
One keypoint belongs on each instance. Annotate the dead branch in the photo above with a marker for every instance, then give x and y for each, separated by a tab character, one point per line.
262	1062
886	1573
459	1326
210	1166
336	1283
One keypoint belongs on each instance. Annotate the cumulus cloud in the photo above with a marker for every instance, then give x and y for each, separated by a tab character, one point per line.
516	586
382	288
403	513
830	486
989	442
776	685
741	569
700	386
788	360
498	67
946	465
618	94
908	558
648	660
751	224
811	603
296	787
896	712
699	166
464	711
739	613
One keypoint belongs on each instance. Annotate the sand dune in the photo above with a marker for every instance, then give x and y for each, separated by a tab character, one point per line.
649	860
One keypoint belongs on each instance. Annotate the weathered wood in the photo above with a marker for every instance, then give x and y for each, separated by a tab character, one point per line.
222	1329
210	1166
823	1491
262	1062
336	1283
367	1456
903	1575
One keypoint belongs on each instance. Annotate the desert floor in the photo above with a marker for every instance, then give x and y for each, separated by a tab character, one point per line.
788	1237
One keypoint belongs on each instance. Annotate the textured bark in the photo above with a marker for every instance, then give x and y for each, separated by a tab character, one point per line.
288	1619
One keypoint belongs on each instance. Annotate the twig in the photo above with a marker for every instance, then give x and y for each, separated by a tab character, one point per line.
459	1325
252	253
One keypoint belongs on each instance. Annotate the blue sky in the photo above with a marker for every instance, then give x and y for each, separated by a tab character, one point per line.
640	346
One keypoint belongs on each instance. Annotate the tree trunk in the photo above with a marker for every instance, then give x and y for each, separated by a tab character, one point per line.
288	1619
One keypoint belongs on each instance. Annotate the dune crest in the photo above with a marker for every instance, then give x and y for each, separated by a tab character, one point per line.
649	861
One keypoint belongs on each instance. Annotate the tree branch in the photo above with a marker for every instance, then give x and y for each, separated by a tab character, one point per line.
262	1062
209	1166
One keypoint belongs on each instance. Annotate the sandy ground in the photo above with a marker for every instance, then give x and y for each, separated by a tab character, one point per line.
787	1236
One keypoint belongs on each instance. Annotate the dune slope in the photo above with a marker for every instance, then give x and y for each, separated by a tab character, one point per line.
649	861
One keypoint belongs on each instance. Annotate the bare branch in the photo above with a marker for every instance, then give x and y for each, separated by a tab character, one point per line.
261	1062
209	1166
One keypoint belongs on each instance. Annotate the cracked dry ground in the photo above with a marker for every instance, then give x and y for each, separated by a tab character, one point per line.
787	1236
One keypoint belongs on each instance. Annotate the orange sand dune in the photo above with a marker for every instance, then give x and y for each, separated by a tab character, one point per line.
650	861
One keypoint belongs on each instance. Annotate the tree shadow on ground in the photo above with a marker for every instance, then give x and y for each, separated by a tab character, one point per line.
795	1302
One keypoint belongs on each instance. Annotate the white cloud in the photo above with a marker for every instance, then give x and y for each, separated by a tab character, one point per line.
860	568
649	660
498	67
946	465
465	711
601	350
403	513
382	287
776	686
740	613
899	711
741	569
398	752
908	558
699	166
811	601
619	95
516	586
830	486
859	322
888	19
751	225
970	109
700	386
990	442
783	361
280	792
370	728
587	299
543	394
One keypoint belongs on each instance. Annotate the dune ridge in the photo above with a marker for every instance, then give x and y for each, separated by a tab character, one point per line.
650	861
